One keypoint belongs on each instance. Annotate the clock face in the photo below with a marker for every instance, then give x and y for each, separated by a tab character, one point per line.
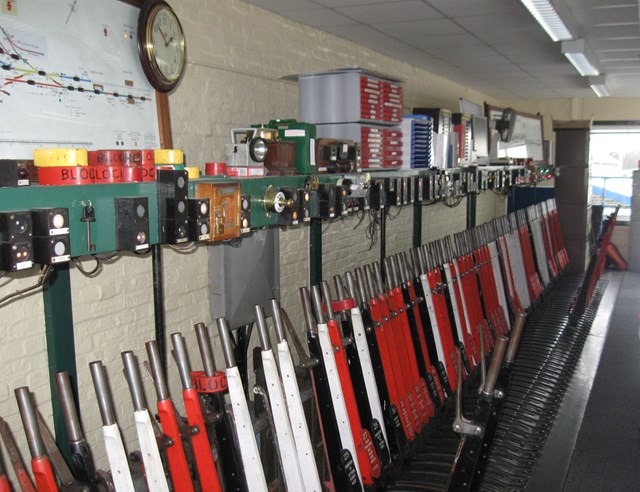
167	40
161	45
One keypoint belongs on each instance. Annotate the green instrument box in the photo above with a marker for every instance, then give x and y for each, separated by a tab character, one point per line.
304	135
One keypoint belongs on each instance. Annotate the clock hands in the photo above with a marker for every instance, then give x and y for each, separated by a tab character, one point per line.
72	9
166	42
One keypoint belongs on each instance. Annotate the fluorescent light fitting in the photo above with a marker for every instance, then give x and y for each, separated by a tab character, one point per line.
580	56
547	16
599	86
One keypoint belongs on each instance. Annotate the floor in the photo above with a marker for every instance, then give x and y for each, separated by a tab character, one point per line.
595	441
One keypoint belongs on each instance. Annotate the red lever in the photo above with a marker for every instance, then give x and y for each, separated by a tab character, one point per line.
178	466
43	474
207	470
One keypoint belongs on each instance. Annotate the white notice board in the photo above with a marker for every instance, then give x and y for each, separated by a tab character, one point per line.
70	76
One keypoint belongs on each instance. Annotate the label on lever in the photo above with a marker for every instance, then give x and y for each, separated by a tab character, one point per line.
380	443
349	468
444	379
372	456
209	384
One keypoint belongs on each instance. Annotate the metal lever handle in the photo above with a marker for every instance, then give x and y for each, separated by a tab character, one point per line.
132	375
225	338
181	356
204	344
103	395
391	281
514	340
407	266
378	277
326	294
67	402
374	288
262	327
308	312
337	282
494	367
354	288
30	423
153	353
277	320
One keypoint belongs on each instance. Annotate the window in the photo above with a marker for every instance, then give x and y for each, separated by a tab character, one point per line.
614	154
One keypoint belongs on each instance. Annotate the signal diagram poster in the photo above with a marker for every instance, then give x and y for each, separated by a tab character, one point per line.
70	76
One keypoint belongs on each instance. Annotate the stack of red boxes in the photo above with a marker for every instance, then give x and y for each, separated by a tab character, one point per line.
370	99
391	102
392	145
357	105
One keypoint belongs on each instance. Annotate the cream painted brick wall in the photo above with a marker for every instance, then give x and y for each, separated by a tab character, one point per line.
235	61
438	220
490	205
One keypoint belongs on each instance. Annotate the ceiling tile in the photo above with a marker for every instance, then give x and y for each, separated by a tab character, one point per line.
389	46
390	12
560	68
412	55
494	46
612	32
427	27
453	41
520	36
562	82
513	76
480	52
357	33
593	15
605	45
320	18
484	23
582	92
539	57
284	5
618	56
465	8
495	68
346	3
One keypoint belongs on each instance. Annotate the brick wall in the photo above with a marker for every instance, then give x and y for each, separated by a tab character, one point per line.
235	61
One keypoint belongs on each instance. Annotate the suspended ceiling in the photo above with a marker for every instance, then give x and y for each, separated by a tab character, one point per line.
493	46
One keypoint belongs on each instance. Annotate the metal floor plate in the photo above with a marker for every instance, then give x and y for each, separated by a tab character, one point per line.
548	354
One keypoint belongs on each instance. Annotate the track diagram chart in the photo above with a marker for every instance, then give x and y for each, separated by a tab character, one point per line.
70	76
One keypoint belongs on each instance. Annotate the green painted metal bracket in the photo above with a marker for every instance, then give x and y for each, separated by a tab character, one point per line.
471	210
58	315
101	197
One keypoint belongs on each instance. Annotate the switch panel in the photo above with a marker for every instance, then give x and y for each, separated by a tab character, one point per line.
132	223
172	206
199	221
224	209
16	241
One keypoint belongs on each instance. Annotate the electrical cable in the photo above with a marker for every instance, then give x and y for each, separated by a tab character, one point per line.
189	247
393	217
431	202
45	273
362	217
236	242
453	205
95	271
143	254
108	257
371	231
